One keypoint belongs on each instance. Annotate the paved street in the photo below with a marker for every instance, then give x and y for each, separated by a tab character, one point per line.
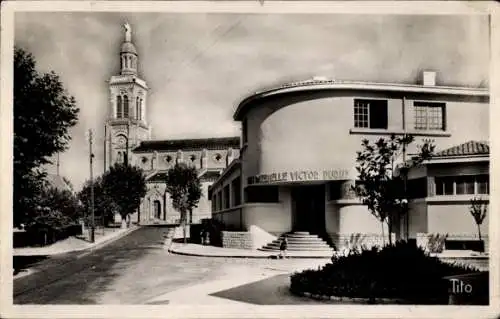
135	270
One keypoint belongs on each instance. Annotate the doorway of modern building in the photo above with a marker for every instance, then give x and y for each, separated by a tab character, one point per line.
308	209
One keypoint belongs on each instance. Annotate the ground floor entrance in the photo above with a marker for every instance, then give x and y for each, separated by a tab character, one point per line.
308	208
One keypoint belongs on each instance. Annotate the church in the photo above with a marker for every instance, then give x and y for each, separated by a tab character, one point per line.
128	138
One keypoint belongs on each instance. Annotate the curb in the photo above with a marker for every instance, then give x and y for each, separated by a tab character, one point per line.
94	246
30	271
241	256
110	240
351	299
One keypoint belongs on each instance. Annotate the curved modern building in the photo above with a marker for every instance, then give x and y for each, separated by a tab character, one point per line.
298	150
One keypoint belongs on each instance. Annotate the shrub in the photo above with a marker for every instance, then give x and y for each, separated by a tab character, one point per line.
435	243
401	271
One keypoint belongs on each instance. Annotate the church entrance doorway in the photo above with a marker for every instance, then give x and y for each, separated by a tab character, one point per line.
308	209
157	209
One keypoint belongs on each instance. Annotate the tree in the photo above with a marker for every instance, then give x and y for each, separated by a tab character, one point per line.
104	205
478	209
43	115
126	186
184	187
380	189
56	210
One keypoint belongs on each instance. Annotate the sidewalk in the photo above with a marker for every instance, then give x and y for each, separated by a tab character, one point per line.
212	251
75	244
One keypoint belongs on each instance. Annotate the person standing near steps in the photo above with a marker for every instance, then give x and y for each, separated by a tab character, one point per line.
283	247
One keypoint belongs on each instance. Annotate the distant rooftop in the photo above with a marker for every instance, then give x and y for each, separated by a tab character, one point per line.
213	143
469	148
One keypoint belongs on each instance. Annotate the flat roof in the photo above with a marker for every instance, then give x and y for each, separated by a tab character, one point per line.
324	85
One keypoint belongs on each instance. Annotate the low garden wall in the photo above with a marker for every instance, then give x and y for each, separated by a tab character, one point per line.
435	243
240	240
358	240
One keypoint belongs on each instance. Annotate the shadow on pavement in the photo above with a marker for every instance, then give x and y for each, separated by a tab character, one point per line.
270	291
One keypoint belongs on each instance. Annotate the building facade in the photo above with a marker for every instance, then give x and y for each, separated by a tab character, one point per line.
128	139
298	152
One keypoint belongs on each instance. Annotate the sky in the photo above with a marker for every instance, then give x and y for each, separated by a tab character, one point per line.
200	66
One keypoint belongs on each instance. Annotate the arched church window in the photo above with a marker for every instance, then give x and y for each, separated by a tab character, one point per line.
138	108
119	107
125	106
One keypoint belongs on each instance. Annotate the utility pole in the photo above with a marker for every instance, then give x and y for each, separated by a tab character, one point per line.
91	158
57	163
405	176
105	140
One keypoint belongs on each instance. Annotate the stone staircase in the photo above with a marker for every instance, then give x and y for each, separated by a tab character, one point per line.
299	242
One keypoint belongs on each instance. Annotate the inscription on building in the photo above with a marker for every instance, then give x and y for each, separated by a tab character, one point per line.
300	176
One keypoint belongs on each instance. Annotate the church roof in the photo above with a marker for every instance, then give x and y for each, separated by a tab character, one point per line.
214	143
466	149
206	175
128	47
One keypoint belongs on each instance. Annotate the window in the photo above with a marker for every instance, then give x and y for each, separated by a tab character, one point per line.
465	185
137	108
125	106
262	194
226	197
483	184
236	188
462	185
244	130
119	107
370	114
429	116
219	201
444	185
214	202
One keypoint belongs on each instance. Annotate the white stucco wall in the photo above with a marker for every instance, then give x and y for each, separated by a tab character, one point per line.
453	218
314	131
271	217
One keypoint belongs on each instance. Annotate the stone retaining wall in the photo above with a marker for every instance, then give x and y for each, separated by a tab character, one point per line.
240	240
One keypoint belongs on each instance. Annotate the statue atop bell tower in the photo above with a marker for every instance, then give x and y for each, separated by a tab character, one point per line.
126	125
128	32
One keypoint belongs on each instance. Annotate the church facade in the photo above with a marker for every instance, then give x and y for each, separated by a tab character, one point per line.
128	139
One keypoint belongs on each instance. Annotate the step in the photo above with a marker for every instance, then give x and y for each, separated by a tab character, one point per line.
291	241
299	245
299	249
299	235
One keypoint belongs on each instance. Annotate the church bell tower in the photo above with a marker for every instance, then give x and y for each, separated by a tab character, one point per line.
126	125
